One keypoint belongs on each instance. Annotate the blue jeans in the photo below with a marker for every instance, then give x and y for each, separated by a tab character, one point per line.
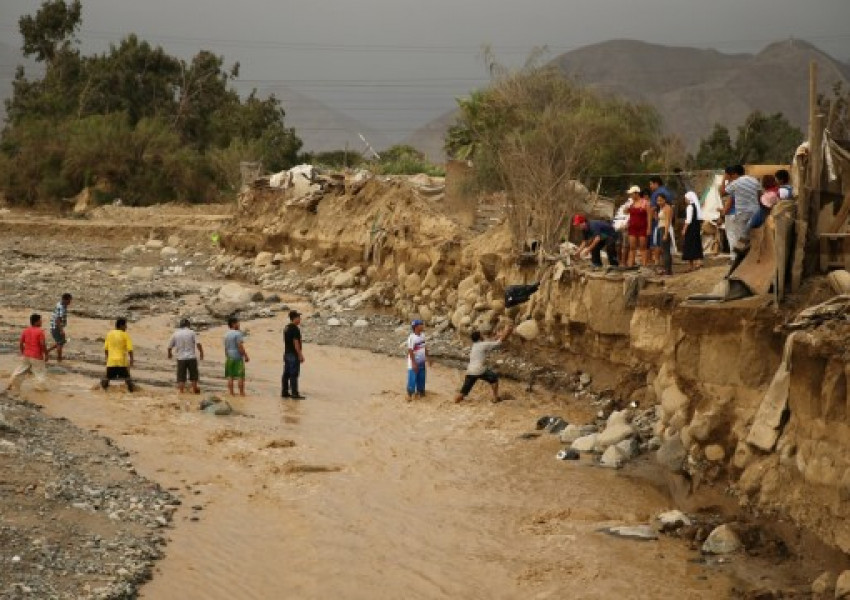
759	217
291	371
416	380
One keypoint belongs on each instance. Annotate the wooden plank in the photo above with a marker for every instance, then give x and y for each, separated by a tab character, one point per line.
799	252
842	215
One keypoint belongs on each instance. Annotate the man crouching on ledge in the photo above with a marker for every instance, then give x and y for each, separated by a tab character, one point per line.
477	368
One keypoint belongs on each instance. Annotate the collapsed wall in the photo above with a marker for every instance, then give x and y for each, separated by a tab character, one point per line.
706	366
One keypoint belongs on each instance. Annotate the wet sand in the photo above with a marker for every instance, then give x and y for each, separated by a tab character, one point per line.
356	493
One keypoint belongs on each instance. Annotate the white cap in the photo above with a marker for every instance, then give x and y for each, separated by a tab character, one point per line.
633	190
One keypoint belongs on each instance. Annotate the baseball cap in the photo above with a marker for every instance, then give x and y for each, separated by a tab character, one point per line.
294	314
633	190
416	323
578	220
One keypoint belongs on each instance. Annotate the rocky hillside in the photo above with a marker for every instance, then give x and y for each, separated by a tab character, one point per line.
692	88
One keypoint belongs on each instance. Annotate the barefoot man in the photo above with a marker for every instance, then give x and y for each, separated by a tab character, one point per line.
477	368
235	356
58	322
33	349
184	342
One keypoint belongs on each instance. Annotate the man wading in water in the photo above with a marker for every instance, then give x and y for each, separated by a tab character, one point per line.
477	368
292	357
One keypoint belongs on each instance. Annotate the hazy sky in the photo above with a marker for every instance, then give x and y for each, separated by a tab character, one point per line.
397	64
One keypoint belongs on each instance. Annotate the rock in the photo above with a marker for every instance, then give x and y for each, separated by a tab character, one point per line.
825	584
634	532
334	322
616	430
154	244
714	453
235	294
278	258
613	458
672	454
141	273
673	401
174	240
209	400
343	280
263	259
723	540
585	379
568	454
271	298
131	250
673	520
425	313
412	284
571	433
585	443
630	447
528	330
356	270
306	256
219	409
842	585
168	252
361	323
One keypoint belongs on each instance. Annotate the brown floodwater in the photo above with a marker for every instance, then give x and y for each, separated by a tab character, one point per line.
355	493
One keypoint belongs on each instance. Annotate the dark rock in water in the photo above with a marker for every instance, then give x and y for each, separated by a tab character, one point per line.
219	409
557	425
551	424
568	454
543	422
209	400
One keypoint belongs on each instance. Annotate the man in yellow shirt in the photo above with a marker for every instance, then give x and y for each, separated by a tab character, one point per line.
119	355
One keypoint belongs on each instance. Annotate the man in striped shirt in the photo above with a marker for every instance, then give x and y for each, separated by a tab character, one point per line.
58	321
746	190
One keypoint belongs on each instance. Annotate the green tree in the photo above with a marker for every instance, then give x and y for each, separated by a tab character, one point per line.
50	31
767	139
716	150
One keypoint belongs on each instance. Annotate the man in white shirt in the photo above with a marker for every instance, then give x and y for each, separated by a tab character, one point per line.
183	343
477	368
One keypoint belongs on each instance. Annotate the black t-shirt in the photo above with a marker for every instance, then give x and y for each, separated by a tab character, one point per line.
290	334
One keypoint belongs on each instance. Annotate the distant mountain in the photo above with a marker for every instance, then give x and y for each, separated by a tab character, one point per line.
321	127
691	88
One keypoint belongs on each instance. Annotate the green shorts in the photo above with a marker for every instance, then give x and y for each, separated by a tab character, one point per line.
234	368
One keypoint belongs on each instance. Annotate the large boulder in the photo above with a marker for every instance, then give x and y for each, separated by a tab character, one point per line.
613	458
234	293
528	330
263	259
616	430
142	273
722	540
842	586
672	454
412	284
345	279
585	443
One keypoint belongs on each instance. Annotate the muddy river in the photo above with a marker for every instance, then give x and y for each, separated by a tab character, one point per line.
355	493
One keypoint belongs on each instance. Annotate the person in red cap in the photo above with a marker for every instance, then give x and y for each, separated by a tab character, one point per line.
596	235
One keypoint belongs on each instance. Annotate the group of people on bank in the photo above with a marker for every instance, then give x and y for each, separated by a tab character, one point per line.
643	231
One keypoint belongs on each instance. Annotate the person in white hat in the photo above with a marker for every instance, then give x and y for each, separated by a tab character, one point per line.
639	225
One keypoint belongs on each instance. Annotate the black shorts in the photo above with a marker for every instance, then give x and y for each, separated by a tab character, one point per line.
117	373
469	381
188	366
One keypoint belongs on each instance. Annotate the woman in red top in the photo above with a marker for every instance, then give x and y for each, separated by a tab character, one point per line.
638	227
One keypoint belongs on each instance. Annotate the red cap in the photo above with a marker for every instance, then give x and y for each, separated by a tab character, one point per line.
578	220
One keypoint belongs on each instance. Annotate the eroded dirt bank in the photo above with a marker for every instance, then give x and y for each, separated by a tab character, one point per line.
356	493
706	367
